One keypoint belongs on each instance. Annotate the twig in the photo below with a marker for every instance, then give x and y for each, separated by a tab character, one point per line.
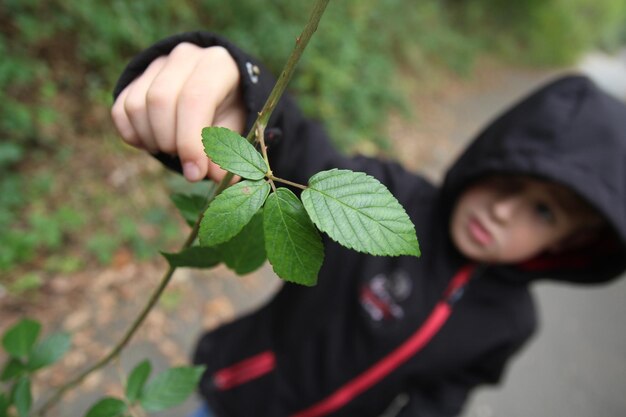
293	184
301	42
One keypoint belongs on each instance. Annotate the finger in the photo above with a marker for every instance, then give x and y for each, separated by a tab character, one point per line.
121	121
232	114
136	107
211	81
162	94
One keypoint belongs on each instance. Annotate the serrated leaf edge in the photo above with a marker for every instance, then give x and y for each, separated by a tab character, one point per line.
316	220
261	187
248	147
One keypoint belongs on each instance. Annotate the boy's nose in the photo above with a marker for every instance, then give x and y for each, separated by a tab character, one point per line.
504	208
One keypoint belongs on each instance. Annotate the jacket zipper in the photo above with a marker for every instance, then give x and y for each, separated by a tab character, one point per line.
245	371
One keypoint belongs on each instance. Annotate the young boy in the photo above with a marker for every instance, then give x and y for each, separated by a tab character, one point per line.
538	194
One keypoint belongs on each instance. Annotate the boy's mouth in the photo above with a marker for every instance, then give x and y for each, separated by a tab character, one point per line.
478	232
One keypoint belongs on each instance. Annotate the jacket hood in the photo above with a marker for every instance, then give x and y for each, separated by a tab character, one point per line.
572	133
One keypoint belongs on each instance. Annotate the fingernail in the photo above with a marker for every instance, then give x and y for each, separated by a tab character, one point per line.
191	171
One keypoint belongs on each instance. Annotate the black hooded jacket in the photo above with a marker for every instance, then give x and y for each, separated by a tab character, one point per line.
351	344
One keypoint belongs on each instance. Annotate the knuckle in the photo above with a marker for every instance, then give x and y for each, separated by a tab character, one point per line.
157	96
134	105
125	131
184	48
193	97
117	113
218	51
216	55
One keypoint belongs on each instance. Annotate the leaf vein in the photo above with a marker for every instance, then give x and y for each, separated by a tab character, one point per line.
297	253
353	208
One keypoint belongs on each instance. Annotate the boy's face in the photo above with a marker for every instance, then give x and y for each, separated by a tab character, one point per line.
509	220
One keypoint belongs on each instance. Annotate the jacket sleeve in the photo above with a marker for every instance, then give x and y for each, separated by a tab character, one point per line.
447	396
298	146
444	400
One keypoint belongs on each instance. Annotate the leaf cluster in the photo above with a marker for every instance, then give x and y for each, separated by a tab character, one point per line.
254	220
168	389
26	355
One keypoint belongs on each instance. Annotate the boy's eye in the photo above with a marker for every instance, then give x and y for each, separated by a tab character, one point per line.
545	212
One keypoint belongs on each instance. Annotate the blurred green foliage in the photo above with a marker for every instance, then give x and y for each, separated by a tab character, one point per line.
60	59
347	77
545	32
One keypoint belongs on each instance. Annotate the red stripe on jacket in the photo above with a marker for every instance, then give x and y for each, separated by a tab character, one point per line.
248	369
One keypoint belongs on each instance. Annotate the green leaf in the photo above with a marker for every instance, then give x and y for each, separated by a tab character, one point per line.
137	379
189	206
193	257
4	405
293	245
22	397
19	339
245	252
13	368
49	350
233	153
357	211
107	407
170	388
231	211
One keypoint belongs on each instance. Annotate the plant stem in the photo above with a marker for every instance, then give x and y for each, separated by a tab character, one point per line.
272	184
260	137
261	122
293	184
301	43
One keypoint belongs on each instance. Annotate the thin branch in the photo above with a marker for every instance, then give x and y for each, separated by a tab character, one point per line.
272	184
263	118
293	184
301	42
260	138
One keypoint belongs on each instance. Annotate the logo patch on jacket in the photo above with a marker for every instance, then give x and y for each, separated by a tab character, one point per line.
382	295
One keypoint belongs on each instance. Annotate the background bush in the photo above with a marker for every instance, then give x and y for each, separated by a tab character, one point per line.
60	59
545	32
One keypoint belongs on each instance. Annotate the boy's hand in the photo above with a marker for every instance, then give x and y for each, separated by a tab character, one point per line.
165	109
